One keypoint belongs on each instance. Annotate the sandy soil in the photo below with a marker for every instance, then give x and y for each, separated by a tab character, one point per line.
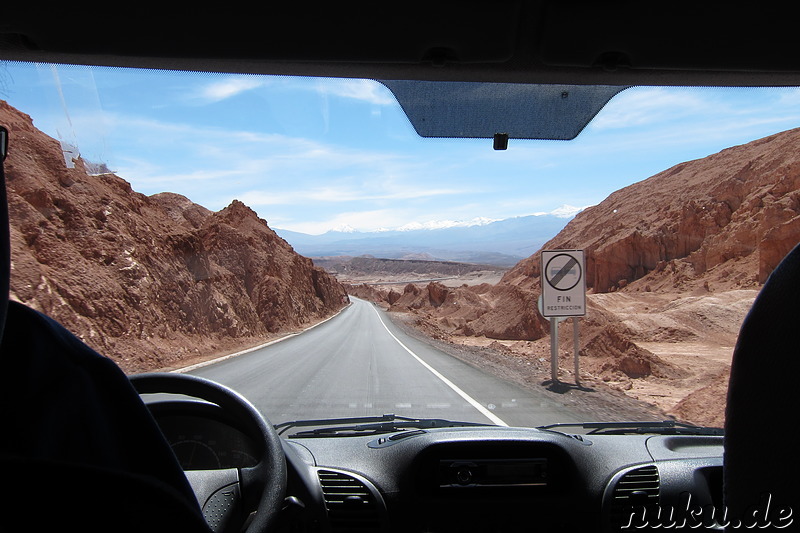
695	333
390	282
475	278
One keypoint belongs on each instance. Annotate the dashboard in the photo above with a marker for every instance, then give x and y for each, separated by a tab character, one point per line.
468	479
203	437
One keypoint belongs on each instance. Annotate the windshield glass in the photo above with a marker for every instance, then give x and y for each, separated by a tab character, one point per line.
167	218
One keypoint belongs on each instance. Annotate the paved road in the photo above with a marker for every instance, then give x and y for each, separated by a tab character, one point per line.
359	363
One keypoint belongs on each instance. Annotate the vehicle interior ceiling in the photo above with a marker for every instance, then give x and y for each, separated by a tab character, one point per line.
538	42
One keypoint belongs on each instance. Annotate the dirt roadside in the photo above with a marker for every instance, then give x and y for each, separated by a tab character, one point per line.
593	400
643	355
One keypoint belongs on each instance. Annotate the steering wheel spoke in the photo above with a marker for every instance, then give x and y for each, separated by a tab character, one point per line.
220	496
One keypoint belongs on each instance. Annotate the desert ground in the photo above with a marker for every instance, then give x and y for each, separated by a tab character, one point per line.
388	282
686	339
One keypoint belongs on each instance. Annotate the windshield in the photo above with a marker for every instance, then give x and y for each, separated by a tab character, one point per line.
297	240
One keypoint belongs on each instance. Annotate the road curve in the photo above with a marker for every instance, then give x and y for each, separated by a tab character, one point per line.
359	363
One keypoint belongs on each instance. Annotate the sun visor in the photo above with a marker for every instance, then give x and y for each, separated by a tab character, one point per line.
486	110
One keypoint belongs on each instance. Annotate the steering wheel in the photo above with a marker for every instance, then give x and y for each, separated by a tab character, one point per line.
262	486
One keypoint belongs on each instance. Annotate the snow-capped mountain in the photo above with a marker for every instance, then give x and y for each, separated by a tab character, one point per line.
481	240
345	228
444	224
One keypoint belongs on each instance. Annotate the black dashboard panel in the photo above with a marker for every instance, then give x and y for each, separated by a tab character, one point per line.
496	485
471	479
512	479
469	474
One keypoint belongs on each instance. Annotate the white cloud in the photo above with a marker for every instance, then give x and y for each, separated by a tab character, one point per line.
262	198
567	211
146	174
229	87
337	194
370	220
638	106
364	90
789	96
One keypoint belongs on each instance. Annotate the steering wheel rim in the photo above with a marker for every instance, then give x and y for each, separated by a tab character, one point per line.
272	463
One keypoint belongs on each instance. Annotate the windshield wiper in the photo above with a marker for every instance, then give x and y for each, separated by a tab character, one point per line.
665	427
369	425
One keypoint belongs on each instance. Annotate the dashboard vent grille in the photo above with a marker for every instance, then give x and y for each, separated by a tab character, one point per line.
351	505
634	490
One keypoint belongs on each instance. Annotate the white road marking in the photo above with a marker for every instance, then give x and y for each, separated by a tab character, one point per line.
474	403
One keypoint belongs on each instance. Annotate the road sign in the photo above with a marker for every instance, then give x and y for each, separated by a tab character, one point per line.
563	283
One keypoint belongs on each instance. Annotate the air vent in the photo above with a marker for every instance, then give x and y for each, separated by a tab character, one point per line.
635	490
351	505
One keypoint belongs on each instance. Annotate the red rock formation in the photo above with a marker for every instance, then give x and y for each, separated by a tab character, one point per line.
715	224
723	222
496	312
148	281
737	211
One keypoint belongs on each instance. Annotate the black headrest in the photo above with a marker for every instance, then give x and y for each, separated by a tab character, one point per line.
760	467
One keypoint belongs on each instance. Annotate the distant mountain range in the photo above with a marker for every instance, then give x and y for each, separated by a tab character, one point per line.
499	242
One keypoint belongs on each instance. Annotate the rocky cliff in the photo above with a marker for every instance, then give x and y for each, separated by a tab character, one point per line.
673	263
725	220
718	223
151	281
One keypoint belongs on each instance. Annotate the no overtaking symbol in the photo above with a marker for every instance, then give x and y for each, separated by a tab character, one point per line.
561	273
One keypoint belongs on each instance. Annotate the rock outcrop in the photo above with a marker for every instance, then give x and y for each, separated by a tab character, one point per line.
727	219
717	223
150	281
493	311
673	263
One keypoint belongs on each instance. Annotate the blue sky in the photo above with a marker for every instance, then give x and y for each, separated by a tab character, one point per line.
316	154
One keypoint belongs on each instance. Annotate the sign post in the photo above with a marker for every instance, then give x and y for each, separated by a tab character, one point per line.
563	295
576	347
